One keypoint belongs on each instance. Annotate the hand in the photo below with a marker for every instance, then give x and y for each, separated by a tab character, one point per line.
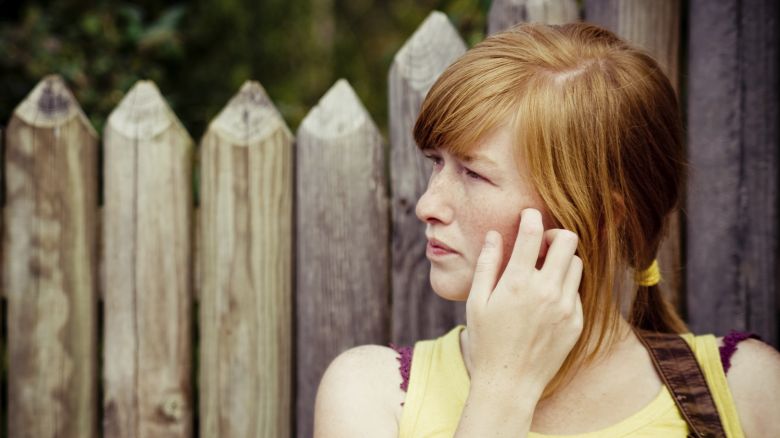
523	325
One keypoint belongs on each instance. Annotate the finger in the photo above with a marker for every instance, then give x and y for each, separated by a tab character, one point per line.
547	239
486	270
529	239
559	256
578	314
571	284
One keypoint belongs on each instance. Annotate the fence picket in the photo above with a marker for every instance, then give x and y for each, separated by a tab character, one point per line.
342	225
49	269
504	14
418	313
246	278
148	272
733	137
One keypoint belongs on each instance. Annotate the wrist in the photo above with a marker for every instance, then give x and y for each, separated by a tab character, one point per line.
506	394
494	410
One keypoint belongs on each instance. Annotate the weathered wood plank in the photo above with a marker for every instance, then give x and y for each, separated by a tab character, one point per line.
418	313
733	142
49	266
342	235
653	25
148	272
246	256
504	14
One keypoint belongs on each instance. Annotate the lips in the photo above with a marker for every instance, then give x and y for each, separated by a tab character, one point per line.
439	247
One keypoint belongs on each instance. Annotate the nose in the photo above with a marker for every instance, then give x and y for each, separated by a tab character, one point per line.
435	206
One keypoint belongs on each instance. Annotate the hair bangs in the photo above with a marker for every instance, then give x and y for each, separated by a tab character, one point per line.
461	108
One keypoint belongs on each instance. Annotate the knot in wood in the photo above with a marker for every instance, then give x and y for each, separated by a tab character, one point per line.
173	407
51	102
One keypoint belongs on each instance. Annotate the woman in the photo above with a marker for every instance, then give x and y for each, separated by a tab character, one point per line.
557	156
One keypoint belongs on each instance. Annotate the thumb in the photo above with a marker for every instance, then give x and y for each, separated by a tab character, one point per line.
486	270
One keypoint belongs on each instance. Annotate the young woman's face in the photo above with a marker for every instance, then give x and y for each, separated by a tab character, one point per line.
467	198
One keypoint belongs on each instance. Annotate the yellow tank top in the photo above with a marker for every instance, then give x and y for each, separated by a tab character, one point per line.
439	385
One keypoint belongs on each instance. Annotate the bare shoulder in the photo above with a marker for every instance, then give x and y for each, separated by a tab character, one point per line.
360	394
754	381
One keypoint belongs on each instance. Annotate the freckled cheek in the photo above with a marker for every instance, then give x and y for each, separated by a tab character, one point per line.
505	224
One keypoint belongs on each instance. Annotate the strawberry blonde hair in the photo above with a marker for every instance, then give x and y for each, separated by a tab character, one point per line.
599	127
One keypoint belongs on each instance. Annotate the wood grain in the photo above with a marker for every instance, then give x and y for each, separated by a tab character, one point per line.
733	139
342	269
652	25
148	272
504	14
418	313
49	266
246	277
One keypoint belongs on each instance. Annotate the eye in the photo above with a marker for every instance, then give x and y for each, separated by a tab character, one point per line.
473	175
437	160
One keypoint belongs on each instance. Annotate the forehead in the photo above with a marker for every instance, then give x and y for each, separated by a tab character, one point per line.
494	147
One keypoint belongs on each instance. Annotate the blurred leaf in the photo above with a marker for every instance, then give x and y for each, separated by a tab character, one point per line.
90	24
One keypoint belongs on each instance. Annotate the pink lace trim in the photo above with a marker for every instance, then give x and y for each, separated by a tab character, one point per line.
729	347
405	363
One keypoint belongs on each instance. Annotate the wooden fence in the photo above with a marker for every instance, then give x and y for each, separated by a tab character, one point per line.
303	246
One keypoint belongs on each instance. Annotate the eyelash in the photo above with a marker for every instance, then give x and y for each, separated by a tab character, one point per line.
470	173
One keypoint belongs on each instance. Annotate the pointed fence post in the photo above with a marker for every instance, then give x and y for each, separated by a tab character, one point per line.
246	277
733	137
49	265
653	25
418	313
148	272
342	236
506	13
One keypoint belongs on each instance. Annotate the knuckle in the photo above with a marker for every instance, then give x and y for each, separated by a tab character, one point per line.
577	323
531	228
566	311
570	237
548	296
519	285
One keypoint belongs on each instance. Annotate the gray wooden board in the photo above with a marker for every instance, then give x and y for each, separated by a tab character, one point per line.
342	239
507	13
418	313
653	25
733	143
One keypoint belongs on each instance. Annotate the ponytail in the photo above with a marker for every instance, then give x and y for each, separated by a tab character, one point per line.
653	312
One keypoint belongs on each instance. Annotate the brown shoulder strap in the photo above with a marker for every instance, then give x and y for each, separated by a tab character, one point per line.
678	368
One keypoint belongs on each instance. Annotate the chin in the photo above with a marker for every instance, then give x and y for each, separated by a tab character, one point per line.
450	286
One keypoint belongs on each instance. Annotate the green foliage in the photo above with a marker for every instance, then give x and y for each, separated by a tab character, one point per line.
199	53
99	51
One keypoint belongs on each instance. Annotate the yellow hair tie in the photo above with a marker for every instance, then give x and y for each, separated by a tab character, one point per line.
650	276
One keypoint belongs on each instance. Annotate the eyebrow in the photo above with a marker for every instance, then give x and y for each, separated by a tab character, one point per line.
481	158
